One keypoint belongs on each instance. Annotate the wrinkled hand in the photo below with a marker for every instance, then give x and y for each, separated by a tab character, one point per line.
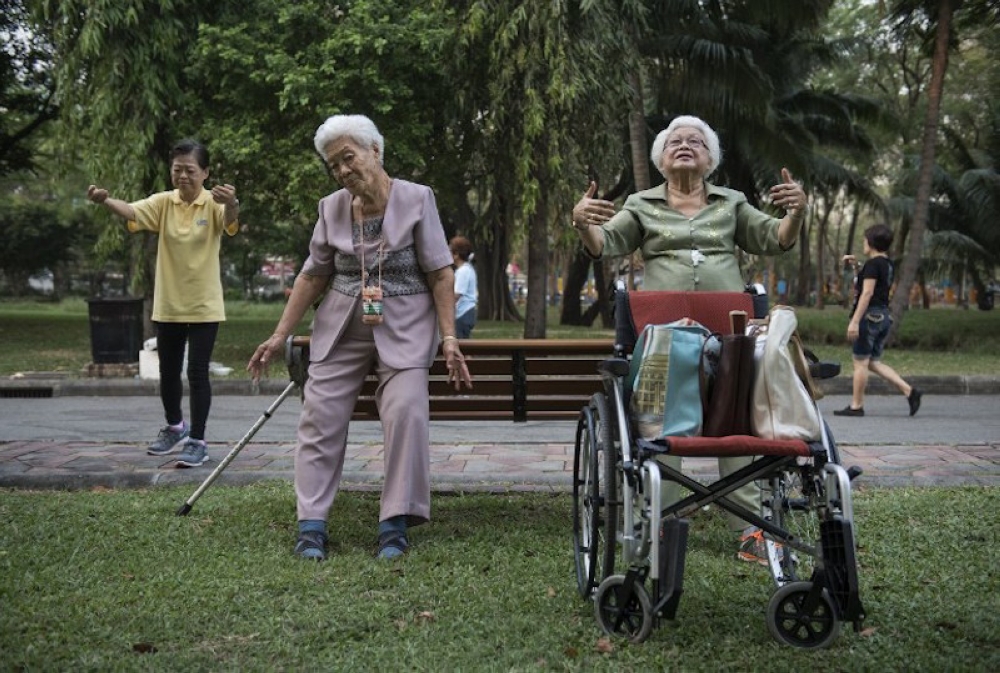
265	353
96	194
790	196
590	211
458	371
224	194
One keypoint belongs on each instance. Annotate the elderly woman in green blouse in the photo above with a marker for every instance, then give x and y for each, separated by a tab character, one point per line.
687	231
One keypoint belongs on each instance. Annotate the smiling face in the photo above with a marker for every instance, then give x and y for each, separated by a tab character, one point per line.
354	167
685	151
187	176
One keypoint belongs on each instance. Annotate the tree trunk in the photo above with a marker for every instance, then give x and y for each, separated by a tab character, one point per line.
915	239
493	238
802	276
820	237
538	264
577	272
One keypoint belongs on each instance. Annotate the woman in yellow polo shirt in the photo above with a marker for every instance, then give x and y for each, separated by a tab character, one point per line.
187	292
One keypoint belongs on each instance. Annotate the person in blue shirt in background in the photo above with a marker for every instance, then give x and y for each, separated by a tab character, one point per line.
466	290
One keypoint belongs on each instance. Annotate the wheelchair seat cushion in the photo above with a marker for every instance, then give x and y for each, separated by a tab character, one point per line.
723	447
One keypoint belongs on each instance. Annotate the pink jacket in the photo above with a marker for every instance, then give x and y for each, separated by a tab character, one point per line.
408	335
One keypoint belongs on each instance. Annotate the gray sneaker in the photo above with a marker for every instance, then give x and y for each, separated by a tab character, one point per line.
168	441
195	454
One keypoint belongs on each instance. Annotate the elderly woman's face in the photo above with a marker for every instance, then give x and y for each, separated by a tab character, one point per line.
186	175
686	150
352	165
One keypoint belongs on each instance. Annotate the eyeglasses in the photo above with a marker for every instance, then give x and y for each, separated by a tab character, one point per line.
694	142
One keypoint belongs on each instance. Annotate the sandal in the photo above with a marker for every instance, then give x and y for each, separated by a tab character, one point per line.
392	544
311	545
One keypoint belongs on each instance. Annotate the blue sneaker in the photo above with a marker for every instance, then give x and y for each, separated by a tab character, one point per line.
195	454
168	441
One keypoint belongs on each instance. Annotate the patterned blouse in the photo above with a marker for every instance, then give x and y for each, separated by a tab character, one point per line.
400	275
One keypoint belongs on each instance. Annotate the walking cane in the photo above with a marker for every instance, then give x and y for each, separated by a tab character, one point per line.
186	507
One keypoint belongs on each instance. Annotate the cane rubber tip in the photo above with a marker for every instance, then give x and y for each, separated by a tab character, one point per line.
185	508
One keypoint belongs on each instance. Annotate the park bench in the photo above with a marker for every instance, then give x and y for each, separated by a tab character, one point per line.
512	379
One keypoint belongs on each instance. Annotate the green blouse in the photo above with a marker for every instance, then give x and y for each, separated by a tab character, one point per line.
691	253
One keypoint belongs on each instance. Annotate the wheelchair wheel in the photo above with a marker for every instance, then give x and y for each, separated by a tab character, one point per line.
795	497
631	618
791	623
798	499
595	511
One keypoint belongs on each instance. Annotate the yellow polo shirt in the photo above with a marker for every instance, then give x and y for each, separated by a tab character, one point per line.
188	284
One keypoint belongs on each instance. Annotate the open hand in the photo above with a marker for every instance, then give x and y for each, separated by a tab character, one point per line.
790	196
262	356
589	210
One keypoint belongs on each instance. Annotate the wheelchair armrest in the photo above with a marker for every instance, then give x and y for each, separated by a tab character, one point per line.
617	367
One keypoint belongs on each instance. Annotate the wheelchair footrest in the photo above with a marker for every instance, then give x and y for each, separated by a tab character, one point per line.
673	549
841	569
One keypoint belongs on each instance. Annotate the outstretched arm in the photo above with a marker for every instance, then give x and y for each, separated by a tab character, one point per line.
116	206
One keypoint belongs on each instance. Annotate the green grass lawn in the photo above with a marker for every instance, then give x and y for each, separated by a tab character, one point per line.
39	336
112	580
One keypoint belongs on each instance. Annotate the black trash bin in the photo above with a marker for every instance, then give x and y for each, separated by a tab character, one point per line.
985	300
115	329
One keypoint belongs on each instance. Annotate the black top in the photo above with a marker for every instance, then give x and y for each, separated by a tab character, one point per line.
879	268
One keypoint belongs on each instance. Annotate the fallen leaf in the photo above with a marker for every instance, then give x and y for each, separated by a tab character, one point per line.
551	592
426	616
571	653
868	632
144	648
604	646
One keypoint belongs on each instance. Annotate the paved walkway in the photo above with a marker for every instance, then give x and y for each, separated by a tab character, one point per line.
99	441
481	466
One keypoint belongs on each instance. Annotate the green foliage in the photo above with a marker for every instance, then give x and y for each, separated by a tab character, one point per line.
268	74
36	235
942	341
488	585
26	89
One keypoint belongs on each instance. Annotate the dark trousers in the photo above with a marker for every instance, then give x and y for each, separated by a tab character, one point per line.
170	340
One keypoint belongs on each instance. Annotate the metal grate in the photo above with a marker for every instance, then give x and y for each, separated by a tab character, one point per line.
20	393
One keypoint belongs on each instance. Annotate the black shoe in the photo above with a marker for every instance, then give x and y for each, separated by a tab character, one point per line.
848	411
914	400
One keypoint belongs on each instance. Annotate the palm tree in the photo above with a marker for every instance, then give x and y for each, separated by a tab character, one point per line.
939	12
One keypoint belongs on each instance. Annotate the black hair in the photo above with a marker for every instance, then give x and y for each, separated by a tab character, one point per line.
189	146
879	237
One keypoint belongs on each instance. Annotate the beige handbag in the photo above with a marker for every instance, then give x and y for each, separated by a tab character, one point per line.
782	405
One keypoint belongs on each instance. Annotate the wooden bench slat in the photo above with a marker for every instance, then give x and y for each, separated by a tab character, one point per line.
516	379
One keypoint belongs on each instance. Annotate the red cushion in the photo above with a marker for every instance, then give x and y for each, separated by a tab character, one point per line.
735	445
711	309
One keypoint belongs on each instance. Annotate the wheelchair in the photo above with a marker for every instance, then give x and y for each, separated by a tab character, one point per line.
629	549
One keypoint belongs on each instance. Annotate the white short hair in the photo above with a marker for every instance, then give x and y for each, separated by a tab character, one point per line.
711	139
358	128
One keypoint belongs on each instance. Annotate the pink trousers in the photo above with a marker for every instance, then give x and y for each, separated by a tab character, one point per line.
403	407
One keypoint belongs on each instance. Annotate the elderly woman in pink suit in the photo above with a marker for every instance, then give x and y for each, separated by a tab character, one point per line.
381	255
